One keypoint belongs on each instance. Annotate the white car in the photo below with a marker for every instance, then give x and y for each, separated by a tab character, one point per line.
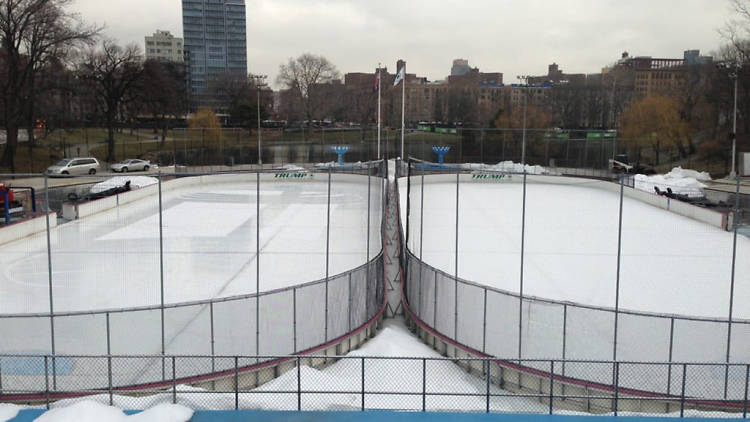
131	165
70	166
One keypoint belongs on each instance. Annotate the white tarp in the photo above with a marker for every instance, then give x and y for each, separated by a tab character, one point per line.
136	182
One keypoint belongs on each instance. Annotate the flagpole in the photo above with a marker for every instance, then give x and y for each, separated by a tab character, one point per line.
379	111
403	110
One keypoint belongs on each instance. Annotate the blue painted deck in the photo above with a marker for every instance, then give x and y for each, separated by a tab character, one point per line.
382	416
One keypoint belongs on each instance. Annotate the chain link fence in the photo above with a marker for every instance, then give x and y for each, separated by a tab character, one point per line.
528	266
332	383
205	264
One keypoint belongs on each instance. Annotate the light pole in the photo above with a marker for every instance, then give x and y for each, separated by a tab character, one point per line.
525	85
735	73
260	82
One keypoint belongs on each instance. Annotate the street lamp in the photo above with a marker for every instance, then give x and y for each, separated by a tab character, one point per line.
734	74
260	82
525	80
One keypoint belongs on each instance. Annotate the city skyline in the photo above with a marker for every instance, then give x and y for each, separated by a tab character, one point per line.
581	35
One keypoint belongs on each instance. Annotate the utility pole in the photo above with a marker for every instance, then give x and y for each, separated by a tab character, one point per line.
525	85
260	82
736	74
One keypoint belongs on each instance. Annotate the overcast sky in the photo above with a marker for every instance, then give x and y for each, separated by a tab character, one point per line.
510	36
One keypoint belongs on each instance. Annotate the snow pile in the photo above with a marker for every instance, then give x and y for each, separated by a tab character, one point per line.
680	173
336	164
92	411
117	181
290	167
680	181
508	167
8	411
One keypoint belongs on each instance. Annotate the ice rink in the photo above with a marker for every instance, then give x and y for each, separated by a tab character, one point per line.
670	264
112	260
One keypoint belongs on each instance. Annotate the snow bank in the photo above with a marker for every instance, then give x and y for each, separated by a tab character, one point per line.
680	173
509	167
135	183
93	411
680	181
8	411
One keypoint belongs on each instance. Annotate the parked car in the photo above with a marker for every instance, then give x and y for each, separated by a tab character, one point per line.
71	166
131	165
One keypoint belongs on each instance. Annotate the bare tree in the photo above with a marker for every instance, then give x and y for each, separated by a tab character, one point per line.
737	30
162	92
113	73
302	74
33	33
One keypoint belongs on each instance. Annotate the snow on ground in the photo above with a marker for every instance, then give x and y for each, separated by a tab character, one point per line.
680	181
670	263
8	411
111	259
118	181
91	411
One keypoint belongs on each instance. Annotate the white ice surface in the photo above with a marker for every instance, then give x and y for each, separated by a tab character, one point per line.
111	259
670	264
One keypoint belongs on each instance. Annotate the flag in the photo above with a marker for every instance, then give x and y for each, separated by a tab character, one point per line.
377	82
399	76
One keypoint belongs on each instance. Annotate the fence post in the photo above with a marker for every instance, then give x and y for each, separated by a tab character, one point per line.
484	321
617	386
671	345
299	385
328	246
455	291
109	377
682	393
363	384
552	384
564	340
46	380
257	266
617	282
161	277
49	277
294	319
349	301
424	384
735	223
174	380
520	289
747	381
213	353
488	373
369	188
434	300
236	384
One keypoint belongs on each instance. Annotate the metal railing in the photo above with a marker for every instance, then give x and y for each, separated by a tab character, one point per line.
317	382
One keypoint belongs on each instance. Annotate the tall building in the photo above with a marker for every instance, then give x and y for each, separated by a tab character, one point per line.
215	40
164	46
460	67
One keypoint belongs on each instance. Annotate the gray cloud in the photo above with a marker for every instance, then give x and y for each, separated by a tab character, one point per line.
513	37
